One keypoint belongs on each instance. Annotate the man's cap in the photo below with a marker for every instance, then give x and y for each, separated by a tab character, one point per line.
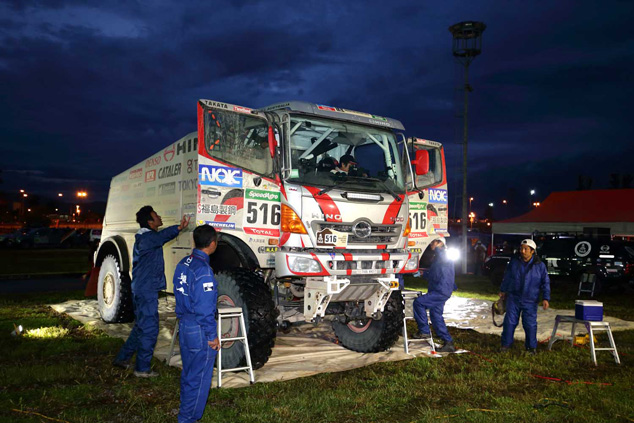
530	243
347	158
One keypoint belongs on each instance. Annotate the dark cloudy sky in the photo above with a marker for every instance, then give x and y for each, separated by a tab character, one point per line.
91	87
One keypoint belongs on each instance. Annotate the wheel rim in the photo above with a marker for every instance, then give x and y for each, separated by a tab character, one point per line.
230	327
359	326
108	289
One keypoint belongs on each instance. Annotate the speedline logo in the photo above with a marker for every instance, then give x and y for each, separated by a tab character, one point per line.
258	194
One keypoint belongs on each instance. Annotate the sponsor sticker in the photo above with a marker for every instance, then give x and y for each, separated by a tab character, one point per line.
331	238
221	225
438	196
258	194
241	109
167	189
150	175
220	176
169	153
263	231
583	248
136	173
418	206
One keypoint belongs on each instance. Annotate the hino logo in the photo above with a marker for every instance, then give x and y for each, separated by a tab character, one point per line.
219	176
438	196
332	216
362	229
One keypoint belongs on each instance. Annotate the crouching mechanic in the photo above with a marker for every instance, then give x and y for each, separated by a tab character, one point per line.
524	279
196	296
441	283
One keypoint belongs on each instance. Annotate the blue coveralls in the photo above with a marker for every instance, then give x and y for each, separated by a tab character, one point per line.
441	278
522	285
148	278
196	297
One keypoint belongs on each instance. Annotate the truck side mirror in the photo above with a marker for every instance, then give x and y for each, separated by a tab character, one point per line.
421	163
272	141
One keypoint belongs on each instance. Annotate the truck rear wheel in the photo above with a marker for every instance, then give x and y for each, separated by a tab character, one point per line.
114	292
370	335
243	288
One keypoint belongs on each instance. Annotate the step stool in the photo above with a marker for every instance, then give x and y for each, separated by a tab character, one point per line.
232	313
587	283
592	327
223	313
411	296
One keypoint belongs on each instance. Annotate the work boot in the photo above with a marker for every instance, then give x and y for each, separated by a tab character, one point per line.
505	349
149	373
125	365
531	351
420	335
448	347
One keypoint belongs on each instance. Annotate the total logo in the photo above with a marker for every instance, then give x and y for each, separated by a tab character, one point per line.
219	176
438	196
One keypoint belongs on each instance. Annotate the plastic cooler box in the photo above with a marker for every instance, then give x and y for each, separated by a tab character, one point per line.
588	310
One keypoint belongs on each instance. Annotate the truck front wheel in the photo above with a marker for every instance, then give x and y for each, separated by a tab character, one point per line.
114	292
368	335
243	288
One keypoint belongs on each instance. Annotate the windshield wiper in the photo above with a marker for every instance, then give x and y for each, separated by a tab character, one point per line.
387	187
330	188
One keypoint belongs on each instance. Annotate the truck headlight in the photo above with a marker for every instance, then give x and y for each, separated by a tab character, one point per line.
303	265
412	263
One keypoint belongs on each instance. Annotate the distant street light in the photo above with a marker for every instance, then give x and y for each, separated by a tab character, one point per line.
470	200
503	201
60	194
490	204
536	204
530	200
82	194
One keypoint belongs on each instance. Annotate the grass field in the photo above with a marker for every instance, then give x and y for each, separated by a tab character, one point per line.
61	370
44	262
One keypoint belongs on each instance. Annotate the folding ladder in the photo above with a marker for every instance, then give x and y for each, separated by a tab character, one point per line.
408	298
587	283
233	313
224	313
592	327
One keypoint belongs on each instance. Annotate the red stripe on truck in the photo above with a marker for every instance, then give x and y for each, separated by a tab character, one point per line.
326	204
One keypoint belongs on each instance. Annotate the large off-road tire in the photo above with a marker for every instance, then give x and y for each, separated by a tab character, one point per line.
370	335
243	288
114	292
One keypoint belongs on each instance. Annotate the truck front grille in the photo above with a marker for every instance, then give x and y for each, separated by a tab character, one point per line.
381	234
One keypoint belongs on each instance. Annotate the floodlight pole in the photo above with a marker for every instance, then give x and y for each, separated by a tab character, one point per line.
467	44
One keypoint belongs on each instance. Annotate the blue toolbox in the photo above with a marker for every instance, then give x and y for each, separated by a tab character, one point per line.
588	310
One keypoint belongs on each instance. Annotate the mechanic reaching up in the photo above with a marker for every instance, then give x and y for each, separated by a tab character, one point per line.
524	279
148	278
196	296
441	278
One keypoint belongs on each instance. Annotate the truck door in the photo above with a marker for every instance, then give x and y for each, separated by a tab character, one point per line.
237	189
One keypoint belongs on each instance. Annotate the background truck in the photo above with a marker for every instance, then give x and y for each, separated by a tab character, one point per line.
326	242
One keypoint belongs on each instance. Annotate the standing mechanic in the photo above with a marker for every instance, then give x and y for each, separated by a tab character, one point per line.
196	297
441	277
524	279
148	278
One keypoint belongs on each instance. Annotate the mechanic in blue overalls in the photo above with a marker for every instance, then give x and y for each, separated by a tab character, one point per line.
148	278
441	283
196	296
525	278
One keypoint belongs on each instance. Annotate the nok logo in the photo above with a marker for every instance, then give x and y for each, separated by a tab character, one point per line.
219	176
438	196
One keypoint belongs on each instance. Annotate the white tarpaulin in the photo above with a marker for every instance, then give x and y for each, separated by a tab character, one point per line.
308	349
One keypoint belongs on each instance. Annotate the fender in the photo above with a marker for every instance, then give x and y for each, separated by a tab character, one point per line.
120	246
233	252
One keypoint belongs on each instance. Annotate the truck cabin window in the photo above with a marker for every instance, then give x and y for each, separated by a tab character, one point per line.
238	139
434	176
355	157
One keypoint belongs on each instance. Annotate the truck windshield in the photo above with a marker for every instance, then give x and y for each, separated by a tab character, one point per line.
328	153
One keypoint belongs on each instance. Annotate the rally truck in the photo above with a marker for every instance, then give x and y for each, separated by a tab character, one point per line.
297	226
428	201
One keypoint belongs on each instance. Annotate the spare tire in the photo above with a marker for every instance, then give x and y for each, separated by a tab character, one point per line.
369	335
243	288
114	292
